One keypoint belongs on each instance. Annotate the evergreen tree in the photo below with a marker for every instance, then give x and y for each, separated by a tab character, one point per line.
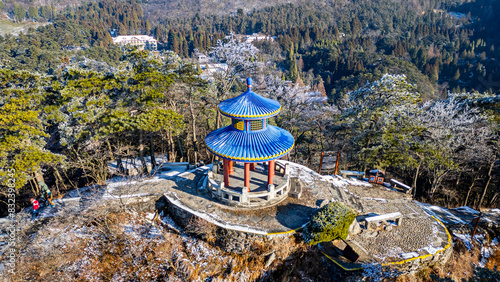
22	121
33	13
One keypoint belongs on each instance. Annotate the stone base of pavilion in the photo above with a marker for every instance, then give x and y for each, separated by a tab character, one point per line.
259	194
278	217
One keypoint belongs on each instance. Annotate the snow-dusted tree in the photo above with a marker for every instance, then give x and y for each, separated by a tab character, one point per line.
237	59
304	113
379	117
486	152
454	134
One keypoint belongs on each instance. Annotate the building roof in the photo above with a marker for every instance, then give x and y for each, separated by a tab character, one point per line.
253	146
126	38
249	105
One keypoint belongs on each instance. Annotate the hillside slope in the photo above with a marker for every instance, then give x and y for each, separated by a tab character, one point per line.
158	9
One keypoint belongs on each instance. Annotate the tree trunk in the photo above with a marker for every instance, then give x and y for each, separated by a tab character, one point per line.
364	163
217	119
141	152
58	179
471	186
152	151
487	184
493	198
414	186
180	148
171	149
436	182
34	187
195	141
119	165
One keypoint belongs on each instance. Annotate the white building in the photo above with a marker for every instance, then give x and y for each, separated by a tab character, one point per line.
141	41
254	37
315	97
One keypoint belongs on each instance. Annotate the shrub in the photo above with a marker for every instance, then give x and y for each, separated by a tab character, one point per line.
331	222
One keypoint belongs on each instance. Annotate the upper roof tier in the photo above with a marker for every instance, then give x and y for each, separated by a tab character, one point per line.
249	105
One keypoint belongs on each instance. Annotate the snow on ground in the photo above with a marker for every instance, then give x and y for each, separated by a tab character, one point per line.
166	171
198	249
431	250
169	222
390	253
381	200
441	213
485	255
494	242
466	239
408	255
466	209
304	173
339	181
135	163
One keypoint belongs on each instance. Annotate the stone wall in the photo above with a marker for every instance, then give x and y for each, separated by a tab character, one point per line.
228	240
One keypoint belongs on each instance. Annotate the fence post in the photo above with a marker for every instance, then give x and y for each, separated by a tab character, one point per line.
321	162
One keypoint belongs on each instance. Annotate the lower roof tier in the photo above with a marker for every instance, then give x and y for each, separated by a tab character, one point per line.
254	146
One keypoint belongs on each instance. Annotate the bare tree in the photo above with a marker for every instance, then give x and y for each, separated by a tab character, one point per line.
236	60
454	134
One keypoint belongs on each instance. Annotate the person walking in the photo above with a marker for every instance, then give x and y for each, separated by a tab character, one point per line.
36	205
46	194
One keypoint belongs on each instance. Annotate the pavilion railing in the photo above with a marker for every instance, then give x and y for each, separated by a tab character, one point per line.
245	198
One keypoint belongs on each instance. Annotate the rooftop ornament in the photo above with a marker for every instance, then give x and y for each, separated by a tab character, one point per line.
249	139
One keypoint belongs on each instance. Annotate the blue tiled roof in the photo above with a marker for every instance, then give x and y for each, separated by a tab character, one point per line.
254	146
249	105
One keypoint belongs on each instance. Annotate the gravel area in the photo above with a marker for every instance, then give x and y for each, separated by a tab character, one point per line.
417	236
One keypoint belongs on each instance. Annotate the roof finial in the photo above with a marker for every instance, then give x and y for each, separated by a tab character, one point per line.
249	82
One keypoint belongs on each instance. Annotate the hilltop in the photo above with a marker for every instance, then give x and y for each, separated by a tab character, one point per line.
121	231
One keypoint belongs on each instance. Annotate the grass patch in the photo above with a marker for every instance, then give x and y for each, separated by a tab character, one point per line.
8	26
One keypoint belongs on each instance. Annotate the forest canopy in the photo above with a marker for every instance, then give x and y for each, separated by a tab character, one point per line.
414	93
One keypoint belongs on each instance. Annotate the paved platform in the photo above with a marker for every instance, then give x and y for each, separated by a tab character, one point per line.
284	217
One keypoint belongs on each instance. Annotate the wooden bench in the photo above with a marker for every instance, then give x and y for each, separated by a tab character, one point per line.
371	222
403	186
350	173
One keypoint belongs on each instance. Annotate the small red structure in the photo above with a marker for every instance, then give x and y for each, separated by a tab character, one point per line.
376	176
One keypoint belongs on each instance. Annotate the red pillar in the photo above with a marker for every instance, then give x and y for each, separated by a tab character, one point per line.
247	176
270	172
252	166
226	172
231	170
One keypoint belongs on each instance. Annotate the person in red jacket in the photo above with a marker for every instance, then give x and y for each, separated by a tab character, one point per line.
36	205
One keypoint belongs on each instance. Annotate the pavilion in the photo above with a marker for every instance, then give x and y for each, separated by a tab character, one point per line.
250	138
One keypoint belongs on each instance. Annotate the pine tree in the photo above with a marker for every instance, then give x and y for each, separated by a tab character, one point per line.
33	13
22	142
456	76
